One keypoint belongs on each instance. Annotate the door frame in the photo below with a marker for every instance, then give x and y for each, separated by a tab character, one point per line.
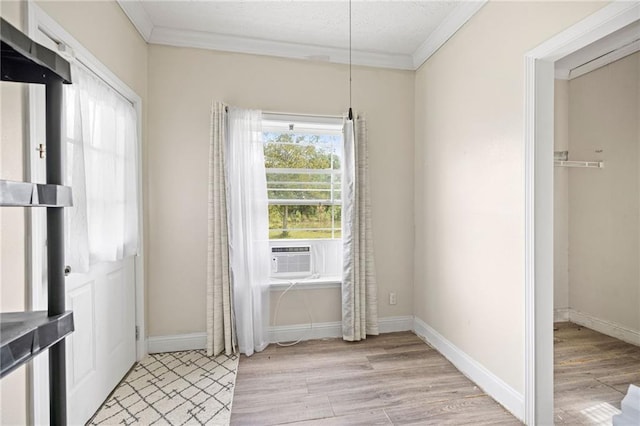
38	20
538	167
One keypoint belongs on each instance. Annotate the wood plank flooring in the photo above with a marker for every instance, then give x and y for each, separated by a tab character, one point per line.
591	376
391	379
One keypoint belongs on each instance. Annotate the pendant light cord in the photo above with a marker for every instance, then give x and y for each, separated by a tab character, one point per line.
350	79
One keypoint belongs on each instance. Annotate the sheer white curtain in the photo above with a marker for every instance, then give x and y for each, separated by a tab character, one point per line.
359	289
247	218
101	156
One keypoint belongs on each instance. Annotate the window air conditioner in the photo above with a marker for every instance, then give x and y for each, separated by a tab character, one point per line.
290	261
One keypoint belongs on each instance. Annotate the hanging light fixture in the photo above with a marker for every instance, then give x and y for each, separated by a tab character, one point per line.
350	80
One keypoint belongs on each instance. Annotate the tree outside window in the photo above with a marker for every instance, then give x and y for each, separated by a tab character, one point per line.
303	184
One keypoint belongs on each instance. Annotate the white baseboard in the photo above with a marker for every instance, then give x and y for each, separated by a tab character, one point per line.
609	328
395	324
485	379
177	342
287	333
291	333
561	315
329	330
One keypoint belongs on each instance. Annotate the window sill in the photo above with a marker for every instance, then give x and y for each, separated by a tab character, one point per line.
279	284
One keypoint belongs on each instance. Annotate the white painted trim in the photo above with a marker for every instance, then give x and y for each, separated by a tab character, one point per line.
610	328
605	60
226	43
331	330
538	150
529	252
177	342
598	54
138	16
37	19
491	384
605	21
291	333
288	333
463	12
561	315
395	324
317	285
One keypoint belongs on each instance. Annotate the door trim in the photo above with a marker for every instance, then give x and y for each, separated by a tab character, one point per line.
38	20
538	176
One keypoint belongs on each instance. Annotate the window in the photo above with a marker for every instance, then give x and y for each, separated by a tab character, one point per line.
302	160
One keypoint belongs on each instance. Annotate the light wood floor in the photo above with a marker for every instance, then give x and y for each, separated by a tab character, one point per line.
392	379
592	374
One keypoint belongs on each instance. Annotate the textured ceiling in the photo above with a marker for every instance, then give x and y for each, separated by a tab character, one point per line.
396	27
389	33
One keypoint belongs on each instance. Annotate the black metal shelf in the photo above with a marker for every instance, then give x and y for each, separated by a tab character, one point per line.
25	61
27	194
24	335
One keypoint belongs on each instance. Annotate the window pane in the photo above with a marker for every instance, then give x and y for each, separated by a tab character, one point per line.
296	184
304	221
303	184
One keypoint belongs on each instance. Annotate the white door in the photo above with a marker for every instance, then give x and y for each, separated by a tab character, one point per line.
102	348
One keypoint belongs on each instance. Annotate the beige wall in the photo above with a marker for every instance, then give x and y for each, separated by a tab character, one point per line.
12	242
323	305
561	200
103	29
469	191
13	390
604	231
182	85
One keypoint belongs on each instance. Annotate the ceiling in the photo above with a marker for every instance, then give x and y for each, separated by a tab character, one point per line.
391	33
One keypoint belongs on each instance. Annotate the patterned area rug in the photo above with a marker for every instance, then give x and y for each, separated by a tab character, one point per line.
176	388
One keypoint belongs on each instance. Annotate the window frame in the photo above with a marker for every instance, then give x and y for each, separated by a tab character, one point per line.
312	125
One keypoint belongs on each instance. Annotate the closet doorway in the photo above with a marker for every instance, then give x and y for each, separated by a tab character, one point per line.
597	228
539	196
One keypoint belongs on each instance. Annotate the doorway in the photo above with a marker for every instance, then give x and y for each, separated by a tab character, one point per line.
539	147
108	299
596	228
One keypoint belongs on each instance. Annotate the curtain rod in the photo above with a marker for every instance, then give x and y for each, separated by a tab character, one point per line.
99	77
303	115
71	57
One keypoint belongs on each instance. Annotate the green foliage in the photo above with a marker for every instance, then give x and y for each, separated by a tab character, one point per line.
297	151
302	151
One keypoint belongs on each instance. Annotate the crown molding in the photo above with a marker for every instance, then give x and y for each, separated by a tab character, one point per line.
463	12
205	40
138	16
226	43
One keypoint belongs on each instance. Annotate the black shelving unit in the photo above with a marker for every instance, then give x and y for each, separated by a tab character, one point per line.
23	335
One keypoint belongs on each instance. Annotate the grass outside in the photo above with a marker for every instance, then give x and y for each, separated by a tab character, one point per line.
304	234
304	226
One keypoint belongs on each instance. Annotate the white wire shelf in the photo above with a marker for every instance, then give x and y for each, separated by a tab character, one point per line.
582	164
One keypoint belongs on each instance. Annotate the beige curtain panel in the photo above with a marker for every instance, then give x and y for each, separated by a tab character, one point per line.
220	329
359	288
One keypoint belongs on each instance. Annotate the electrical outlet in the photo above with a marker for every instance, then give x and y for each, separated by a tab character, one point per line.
392	298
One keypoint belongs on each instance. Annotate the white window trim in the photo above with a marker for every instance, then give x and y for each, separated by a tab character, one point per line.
278	284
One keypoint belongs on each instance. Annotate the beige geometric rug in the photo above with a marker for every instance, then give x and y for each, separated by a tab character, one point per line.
175	388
